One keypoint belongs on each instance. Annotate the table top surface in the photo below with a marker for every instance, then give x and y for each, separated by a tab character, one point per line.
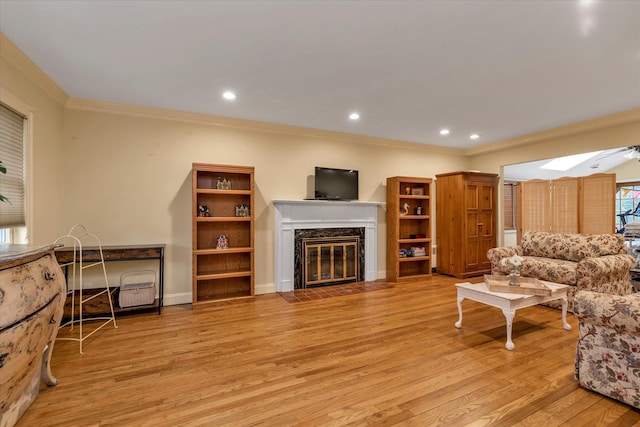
482	288
9	251
111	247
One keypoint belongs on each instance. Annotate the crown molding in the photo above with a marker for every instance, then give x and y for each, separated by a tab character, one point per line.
228	122
14	102
615	119
12	54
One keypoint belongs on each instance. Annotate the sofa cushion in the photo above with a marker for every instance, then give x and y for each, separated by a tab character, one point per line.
550	269
571	247
608	351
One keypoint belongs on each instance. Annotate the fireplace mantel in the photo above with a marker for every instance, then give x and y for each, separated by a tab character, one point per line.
291	215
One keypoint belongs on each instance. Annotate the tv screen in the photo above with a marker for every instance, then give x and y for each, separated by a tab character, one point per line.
336	184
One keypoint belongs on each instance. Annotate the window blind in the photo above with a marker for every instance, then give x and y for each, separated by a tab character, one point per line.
509	206
12	125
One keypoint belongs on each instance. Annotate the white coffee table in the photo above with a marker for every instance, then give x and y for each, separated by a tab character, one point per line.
510	302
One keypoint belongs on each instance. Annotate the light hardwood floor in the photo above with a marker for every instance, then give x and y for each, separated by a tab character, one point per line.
386	357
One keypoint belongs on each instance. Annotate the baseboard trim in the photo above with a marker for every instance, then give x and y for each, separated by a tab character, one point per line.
265	288
177	299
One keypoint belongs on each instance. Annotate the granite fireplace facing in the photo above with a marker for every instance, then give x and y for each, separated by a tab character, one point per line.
328	256
301	215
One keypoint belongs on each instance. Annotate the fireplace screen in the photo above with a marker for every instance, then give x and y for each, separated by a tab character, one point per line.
330	260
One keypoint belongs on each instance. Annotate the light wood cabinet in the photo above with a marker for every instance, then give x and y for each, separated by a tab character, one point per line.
223	232
567	205
408	228
465	222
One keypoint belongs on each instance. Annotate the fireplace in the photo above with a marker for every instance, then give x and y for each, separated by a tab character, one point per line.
328	256
333	218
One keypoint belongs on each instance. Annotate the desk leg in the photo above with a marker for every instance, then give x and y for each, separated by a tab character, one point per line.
509	315
565	325
458	324
161	282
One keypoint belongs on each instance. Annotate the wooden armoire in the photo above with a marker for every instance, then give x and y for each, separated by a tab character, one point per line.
465	222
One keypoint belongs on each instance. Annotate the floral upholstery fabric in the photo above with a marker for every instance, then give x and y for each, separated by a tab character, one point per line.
608	349
596	262
571	247
550	269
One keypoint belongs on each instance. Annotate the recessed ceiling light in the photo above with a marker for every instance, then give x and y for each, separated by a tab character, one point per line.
444	132
229	95
474	136
354	116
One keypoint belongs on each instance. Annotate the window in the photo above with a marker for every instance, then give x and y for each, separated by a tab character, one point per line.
627	204
12	183
510	205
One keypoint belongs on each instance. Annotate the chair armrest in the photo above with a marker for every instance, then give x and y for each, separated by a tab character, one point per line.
496	254
620	313
606	274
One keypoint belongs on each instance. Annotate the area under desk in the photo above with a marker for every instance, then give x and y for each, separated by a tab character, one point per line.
64	255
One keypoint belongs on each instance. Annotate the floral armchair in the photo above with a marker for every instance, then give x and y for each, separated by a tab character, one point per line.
608	349
597	262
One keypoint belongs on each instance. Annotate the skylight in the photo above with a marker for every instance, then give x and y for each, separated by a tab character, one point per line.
568	162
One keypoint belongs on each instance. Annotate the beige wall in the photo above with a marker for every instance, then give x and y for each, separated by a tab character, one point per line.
629	171
125	173
127	179
28	89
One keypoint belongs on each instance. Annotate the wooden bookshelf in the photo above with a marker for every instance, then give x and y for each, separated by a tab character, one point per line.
408	227
221	273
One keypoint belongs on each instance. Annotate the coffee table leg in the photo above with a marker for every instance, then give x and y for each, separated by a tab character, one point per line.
509	314
459	322
565	325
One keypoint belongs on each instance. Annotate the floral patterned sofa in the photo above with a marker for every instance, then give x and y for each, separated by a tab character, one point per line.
608	350
597	262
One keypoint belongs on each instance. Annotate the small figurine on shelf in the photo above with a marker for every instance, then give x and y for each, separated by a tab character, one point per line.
404	210
407	190
223	184
419	210
242	210
223	242
203	210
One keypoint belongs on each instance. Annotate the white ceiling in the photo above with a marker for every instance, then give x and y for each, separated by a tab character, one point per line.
499	68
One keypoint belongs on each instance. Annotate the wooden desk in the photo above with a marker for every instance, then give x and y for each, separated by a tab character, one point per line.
120	253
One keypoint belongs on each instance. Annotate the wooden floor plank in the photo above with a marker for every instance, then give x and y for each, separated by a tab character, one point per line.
390	356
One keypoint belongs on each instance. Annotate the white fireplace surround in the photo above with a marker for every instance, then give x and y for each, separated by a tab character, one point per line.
292	215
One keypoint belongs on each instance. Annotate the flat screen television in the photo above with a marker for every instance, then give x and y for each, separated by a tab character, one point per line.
336	184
